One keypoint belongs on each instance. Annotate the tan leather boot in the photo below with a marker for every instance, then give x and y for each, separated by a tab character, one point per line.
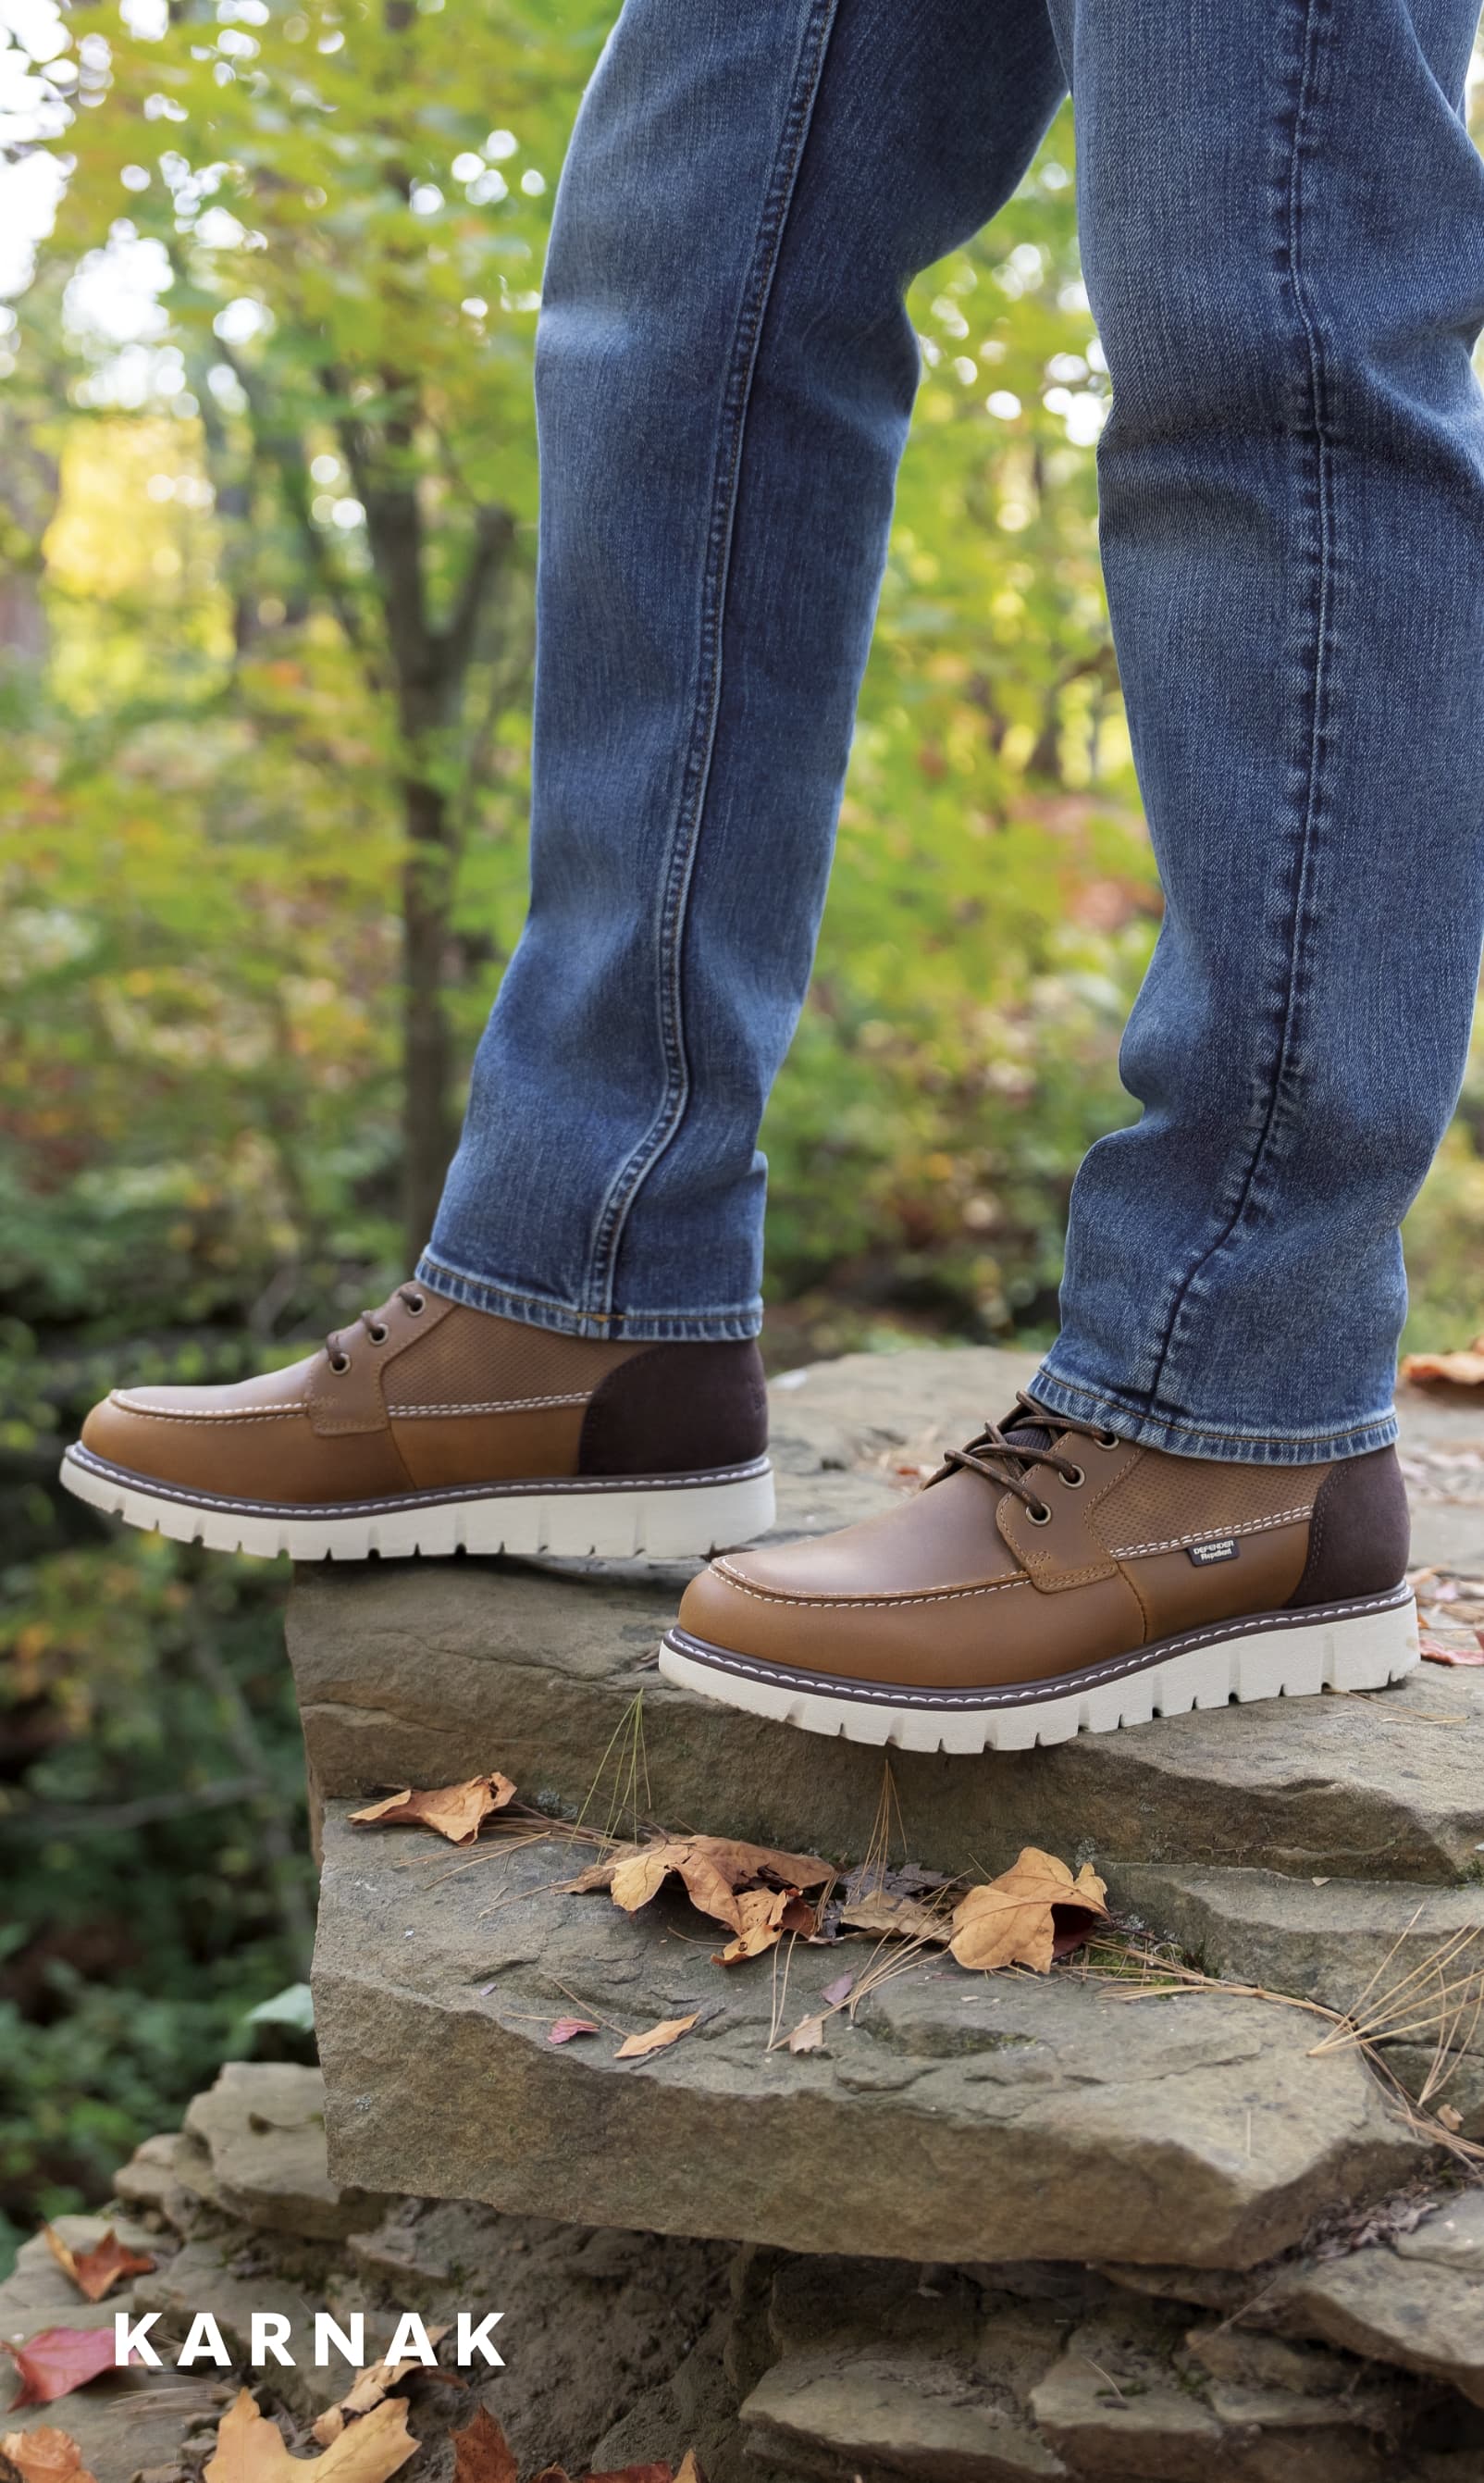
1053	1578
430	1427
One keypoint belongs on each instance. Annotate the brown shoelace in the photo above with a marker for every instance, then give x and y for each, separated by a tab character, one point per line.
410	1297
1008	1456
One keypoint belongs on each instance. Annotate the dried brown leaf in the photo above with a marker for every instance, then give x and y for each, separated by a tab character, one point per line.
656	2039
456	1811
809	2035
44	2456
250	2449
95	2272
760	1924
482	2453
689	2470
1016	1918
1465	1370
661	2471
367	2390
714	1870
903	1917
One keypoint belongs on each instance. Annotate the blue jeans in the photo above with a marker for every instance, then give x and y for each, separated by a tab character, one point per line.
1282	226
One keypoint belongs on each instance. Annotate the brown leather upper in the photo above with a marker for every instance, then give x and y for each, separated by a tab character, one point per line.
420	1395
961	1587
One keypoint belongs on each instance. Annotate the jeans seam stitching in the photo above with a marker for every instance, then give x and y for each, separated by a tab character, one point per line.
613	1215
1314	439
1099	1400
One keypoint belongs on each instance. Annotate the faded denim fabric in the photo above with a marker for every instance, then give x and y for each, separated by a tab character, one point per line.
1283	228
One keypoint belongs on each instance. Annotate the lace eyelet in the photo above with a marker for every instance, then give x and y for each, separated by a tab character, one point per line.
1075	1480
339	1362
416	1304
378	1335
1109	1440
1039	1516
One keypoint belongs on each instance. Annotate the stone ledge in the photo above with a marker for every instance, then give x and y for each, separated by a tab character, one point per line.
963	2118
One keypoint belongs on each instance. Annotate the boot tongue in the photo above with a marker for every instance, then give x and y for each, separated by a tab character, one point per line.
1030	1436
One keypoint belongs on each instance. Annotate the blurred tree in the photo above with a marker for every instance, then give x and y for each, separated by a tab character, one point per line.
348	259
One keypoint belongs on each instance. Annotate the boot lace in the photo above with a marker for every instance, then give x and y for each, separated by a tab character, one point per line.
1009	1455
412	1296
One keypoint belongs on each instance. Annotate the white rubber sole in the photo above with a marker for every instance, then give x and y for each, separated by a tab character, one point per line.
1361	1646
656	1519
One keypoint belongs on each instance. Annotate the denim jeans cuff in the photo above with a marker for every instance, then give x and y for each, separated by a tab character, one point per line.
538	1310
1182	1438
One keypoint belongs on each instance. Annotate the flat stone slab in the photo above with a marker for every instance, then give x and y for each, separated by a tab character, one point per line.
963	2118
414	1672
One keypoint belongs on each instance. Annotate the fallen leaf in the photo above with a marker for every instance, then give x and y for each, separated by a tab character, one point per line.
713	1870
1017	1918
690	2468
250	2449
564	2028
1450	2117
1459	1370
840	1989
456	1811
809	2035
657	2039
766	1913
905	1917
367	2390
482	2453
95	2272
660	2472
1435	1651
56	2361
44	2456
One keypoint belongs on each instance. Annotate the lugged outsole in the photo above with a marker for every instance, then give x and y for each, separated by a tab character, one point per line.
690	1517
1358	1646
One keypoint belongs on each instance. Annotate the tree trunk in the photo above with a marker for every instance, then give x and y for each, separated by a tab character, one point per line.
429	1132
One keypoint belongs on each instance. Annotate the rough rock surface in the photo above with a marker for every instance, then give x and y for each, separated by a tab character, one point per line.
998	2118
420	1672
775	2368
261	2128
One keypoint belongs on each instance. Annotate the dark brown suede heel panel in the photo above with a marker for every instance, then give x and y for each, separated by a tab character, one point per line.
1360	1532
676	1406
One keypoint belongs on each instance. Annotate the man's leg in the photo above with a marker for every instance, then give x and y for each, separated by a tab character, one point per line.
724	377
1284	233
726	373
1284	239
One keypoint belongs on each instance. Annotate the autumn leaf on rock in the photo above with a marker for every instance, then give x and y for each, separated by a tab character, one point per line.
714	1870
899	1917
765	1916
839	1990
1435	1651
367	2390
44	2456
662	2472
690	2468
1465	1370
656	2039
565	2029
456	1811
250	2449
56	2361
1020	1918
95	2272
809	2035
482	2453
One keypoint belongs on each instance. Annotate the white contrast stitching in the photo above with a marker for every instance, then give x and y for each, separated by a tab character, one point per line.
852	1694
206	1414
863	1603
495	1405
1215	1533
150	1487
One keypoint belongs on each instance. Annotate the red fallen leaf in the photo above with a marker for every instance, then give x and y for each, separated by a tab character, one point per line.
95	2272
482	2453
1435	1652
839	1990
565	2028
56	2361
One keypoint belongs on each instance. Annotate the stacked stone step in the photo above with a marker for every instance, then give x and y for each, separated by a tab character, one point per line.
987	2124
